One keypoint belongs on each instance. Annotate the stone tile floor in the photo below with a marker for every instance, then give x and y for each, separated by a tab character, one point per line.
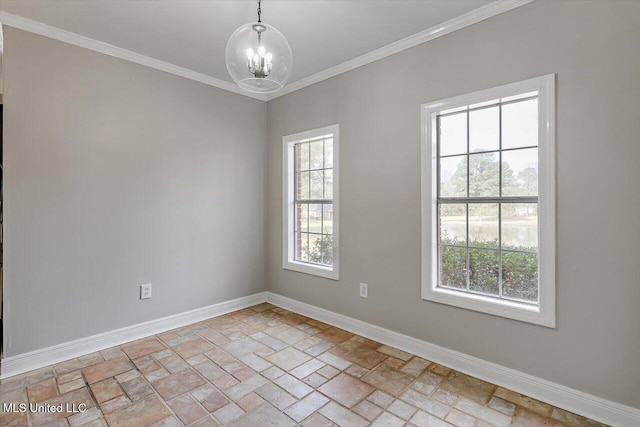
265	366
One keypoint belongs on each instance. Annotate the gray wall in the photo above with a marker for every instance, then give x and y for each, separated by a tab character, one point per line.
118	175
593	48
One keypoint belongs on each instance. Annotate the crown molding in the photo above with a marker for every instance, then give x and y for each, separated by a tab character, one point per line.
492	9
488	11
41	29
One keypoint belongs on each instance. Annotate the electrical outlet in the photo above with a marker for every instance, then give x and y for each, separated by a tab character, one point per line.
145	291
364	290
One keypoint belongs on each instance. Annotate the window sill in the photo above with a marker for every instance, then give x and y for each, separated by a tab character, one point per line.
314	270
510	309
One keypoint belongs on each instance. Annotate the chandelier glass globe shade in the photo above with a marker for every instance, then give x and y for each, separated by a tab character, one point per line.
259	58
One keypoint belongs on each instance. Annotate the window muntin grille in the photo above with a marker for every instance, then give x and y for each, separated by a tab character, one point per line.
487	198
313	201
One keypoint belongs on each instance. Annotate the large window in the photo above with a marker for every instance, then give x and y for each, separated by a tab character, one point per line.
310	237
488	201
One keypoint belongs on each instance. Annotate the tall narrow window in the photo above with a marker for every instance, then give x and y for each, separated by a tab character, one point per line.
488	201
310	226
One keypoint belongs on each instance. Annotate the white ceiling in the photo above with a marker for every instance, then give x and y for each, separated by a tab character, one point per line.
193	34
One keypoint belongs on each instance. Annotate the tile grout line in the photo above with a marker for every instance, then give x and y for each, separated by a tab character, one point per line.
274	317
166	403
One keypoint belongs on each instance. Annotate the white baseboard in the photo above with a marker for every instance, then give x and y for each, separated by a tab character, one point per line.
572	400
590	406
25	362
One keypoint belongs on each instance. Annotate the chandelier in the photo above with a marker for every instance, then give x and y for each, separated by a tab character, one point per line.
258	57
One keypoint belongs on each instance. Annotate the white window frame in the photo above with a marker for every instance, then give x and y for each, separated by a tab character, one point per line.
288	216
545	313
